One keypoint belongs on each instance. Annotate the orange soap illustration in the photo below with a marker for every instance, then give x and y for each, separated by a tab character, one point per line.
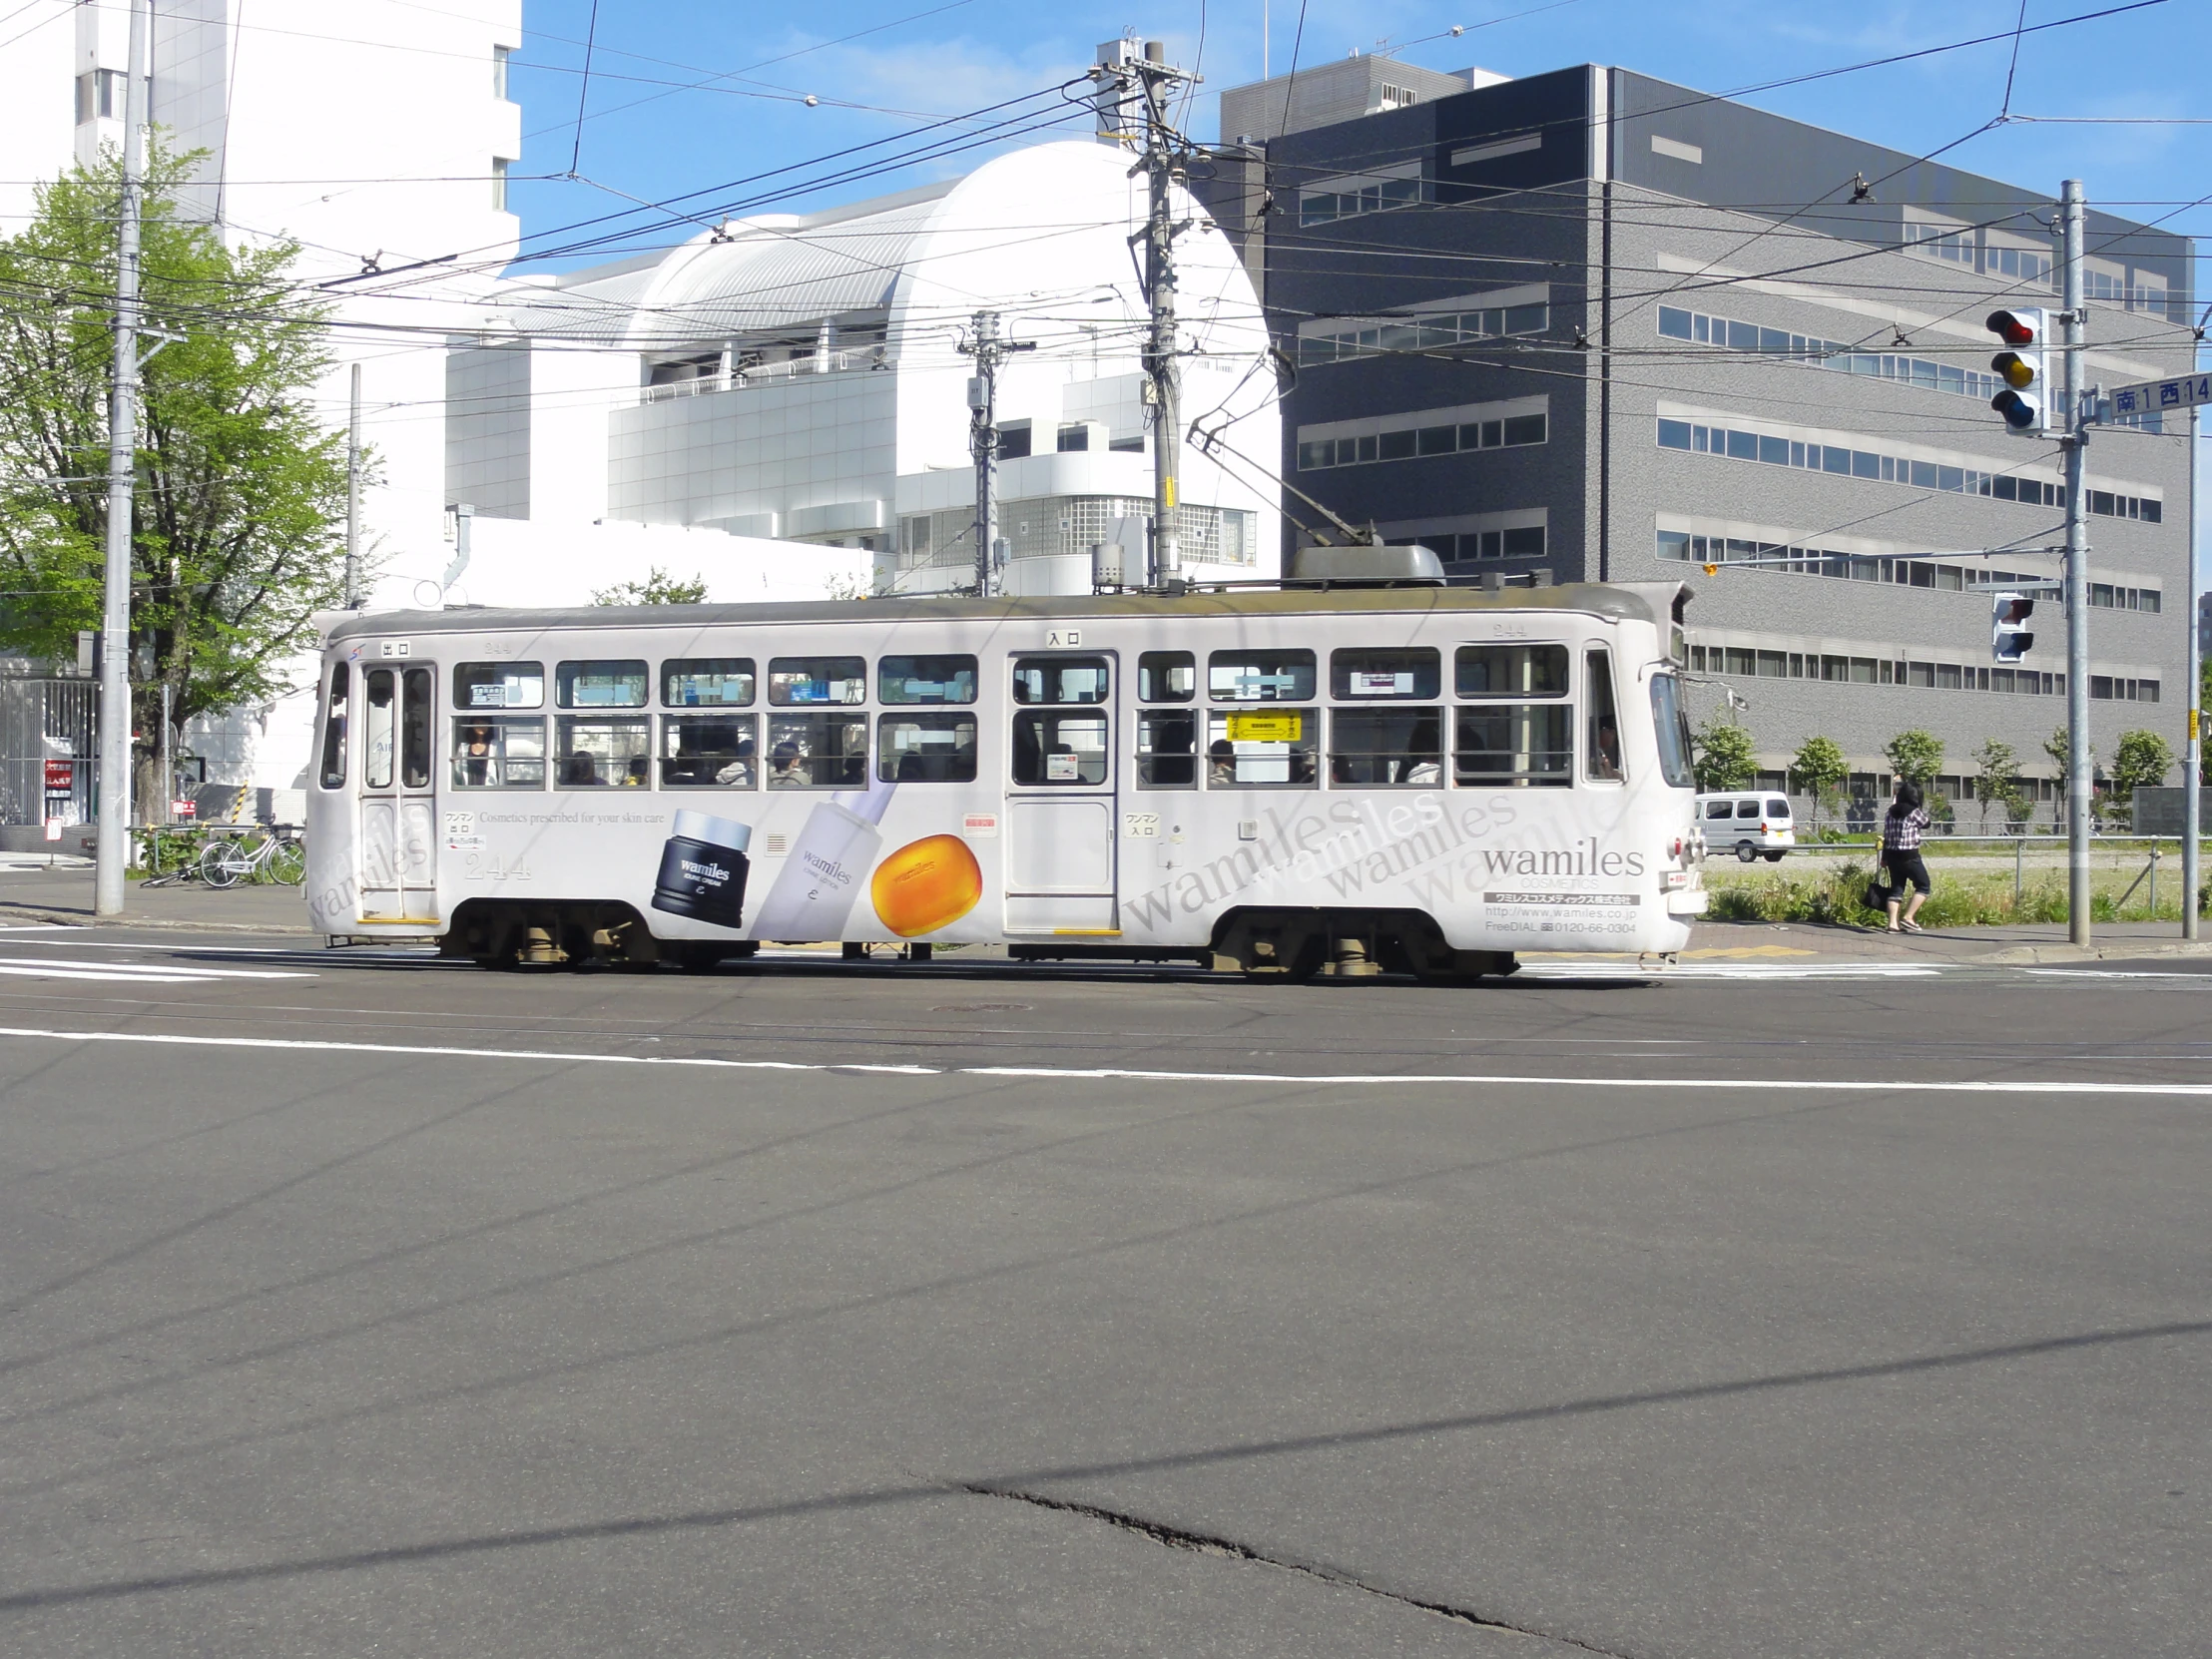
926	884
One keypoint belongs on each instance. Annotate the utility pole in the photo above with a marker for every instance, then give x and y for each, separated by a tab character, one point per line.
1162	163
989	351
2192	754
2081	767
353	497
111	843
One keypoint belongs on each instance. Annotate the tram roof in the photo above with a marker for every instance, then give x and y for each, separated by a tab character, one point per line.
1652	602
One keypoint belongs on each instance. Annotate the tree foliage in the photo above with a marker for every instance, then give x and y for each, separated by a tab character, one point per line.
658	588
238	527
2142	761
1916	756
1995	765
1723	758
1819	768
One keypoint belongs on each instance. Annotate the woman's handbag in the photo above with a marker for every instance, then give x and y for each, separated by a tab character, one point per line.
1878	890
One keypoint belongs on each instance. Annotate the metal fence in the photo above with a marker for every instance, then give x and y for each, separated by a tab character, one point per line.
40	720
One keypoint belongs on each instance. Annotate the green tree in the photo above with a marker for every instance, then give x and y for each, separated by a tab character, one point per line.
1819	769
2142	761
238	524
1995	765
658	588
1916	756
1722	755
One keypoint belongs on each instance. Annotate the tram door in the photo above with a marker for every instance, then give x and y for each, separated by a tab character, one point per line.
1060	808
398	874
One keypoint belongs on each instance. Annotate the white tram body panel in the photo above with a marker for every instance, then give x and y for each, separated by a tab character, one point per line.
1126	772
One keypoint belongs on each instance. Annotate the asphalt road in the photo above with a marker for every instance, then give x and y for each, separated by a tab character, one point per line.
351	1304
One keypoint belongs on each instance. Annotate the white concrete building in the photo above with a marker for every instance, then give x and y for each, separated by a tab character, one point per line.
800	378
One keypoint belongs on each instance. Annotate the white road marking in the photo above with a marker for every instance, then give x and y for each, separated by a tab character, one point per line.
1075	1074
40	968
1730	970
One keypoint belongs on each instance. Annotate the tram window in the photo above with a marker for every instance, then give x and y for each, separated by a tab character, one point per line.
416	698
376	757
1386	748
1260	676
499	685
710	752
1414	671
1167	677
1672	728
1262	749
815	750
800	680
1055	748
1601	740
1167	743
925	749
333	728
1060	680
926	680
613	685
1515	745
598	752
707	682
1511	670
498	752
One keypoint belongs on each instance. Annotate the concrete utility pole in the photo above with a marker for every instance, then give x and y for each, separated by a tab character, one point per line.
1163	164
989	351
2080	768
2192	754
353	497
111	843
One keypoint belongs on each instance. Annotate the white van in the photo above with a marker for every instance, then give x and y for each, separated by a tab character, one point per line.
1751	824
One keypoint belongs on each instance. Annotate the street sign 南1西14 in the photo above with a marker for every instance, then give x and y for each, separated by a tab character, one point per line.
2150	396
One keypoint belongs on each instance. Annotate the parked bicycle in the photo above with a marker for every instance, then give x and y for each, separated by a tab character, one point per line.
277	856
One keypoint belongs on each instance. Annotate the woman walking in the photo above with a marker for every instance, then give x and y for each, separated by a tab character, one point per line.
1900	855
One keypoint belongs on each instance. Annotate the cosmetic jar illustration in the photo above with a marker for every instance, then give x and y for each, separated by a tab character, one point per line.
925	886
702	869
813	894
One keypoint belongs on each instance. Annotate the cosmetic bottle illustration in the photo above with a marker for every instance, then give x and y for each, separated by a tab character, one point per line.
702	869
830	858
925	886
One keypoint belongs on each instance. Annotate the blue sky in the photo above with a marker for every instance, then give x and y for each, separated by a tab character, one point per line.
652	131
688	96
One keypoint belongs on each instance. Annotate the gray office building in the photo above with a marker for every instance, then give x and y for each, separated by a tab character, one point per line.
1587	325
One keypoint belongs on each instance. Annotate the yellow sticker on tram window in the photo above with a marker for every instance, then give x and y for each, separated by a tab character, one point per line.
1272	727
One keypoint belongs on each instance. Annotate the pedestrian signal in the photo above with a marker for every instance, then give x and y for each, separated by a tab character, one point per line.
2023	396
2010	639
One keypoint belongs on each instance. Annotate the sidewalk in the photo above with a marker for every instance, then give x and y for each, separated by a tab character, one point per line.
2024	944
32	891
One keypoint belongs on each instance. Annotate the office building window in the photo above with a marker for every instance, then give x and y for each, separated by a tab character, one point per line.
499	57
1428	332
1771	450
498	185
1408	442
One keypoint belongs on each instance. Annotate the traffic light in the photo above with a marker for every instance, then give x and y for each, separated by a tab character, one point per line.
2010	639
2020	366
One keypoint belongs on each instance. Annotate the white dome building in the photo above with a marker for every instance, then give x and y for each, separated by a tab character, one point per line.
799	378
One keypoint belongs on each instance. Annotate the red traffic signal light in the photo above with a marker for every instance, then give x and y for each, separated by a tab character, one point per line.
2015	327
2021	397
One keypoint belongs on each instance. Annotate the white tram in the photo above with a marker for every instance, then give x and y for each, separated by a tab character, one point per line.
1277	780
